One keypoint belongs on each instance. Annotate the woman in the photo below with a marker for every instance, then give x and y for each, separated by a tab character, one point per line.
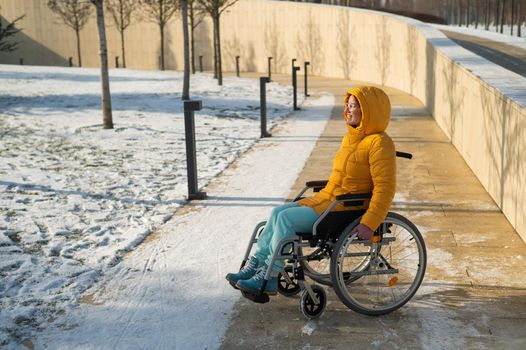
365	162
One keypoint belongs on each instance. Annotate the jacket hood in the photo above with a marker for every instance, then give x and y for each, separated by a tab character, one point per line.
375	107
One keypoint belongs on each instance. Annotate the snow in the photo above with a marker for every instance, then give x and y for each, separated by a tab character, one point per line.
170	293
491	34
507	82
75	198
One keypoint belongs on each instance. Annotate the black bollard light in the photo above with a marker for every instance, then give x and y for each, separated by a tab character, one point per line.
116	61
201	64
305	72
293	61
237	66
295	87
71	61
263	105
21	60
191	160
269	68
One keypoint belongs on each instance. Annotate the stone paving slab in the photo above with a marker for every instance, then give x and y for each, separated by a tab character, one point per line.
474	292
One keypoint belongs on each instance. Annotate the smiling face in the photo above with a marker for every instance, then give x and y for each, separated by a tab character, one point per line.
353	113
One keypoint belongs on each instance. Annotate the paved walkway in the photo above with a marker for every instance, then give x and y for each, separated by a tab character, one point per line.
474	292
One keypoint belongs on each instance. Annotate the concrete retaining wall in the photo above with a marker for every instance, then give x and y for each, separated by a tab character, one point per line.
482	108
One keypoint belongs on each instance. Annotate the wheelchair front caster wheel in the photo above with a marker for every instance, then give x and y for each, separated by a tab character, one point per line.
308	307
286	284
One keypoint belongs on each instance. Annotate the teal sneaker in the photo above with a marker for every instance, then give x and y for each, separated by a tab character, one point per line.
249	270
254	284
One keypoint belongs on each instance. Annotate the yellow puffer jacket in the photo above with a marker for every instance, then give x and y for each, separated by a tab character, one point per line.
365	162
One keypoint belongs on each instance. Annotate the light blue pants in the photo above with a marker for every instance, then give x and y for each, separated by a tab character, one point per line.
284	221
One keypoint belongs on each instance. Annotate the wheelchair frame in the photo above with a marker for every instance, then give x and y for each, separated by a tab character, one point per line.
314	299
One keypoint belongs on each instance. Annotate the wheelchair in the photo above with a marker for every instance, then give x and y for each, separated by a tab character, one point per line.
372	277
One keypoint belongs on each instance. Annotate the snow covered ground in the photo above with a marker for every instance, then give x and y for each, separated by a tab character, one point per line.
74	197
491	34
171	292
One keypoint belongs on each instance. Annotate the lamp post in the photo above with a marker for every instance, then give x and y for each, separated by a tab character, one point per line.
305	72
263	105
295	85
191	160
269	68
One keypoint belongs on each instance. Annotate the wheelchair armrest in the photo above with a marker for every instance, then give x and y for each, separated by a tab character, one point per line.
316	186
316	183
354	196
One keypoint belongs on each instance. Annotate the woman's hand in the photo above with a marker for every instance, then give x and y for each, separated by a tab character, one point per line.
364	232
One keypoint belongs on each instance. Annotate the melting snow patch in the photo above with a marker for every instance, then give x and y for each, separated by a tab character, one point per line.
309	327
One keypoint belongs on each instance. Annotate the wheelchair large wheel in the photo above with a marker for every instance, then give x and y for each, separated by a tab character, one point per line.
378	278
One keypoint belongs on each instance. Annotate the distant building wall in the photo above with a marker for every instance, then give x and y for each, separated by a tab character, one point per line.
479	106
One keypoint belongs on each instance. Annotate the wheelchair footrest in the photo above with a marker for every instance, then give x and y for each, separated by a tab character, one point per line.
257	298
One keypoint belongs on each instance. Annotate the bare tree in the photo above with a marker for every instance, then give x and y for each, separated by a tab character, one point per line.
121	12
502	15
107	120
160	11
215	8
486	15
467	13
477	15
459	15
497	14
195	15
512	15
186	77
7	32
519	19
75	14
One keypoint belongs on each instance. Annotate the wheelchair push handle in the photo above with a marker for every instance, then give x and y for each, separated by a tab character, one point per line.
404	155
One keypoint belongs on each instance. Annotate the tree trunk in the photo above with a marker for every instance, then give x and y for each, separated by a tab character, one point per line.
512	15
122	35
467	13
459	15
192	41
497	15
486	16
107	120
218	43
476	15
122	49
519	18
161	27
77	31
215	50
186	78
502	16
